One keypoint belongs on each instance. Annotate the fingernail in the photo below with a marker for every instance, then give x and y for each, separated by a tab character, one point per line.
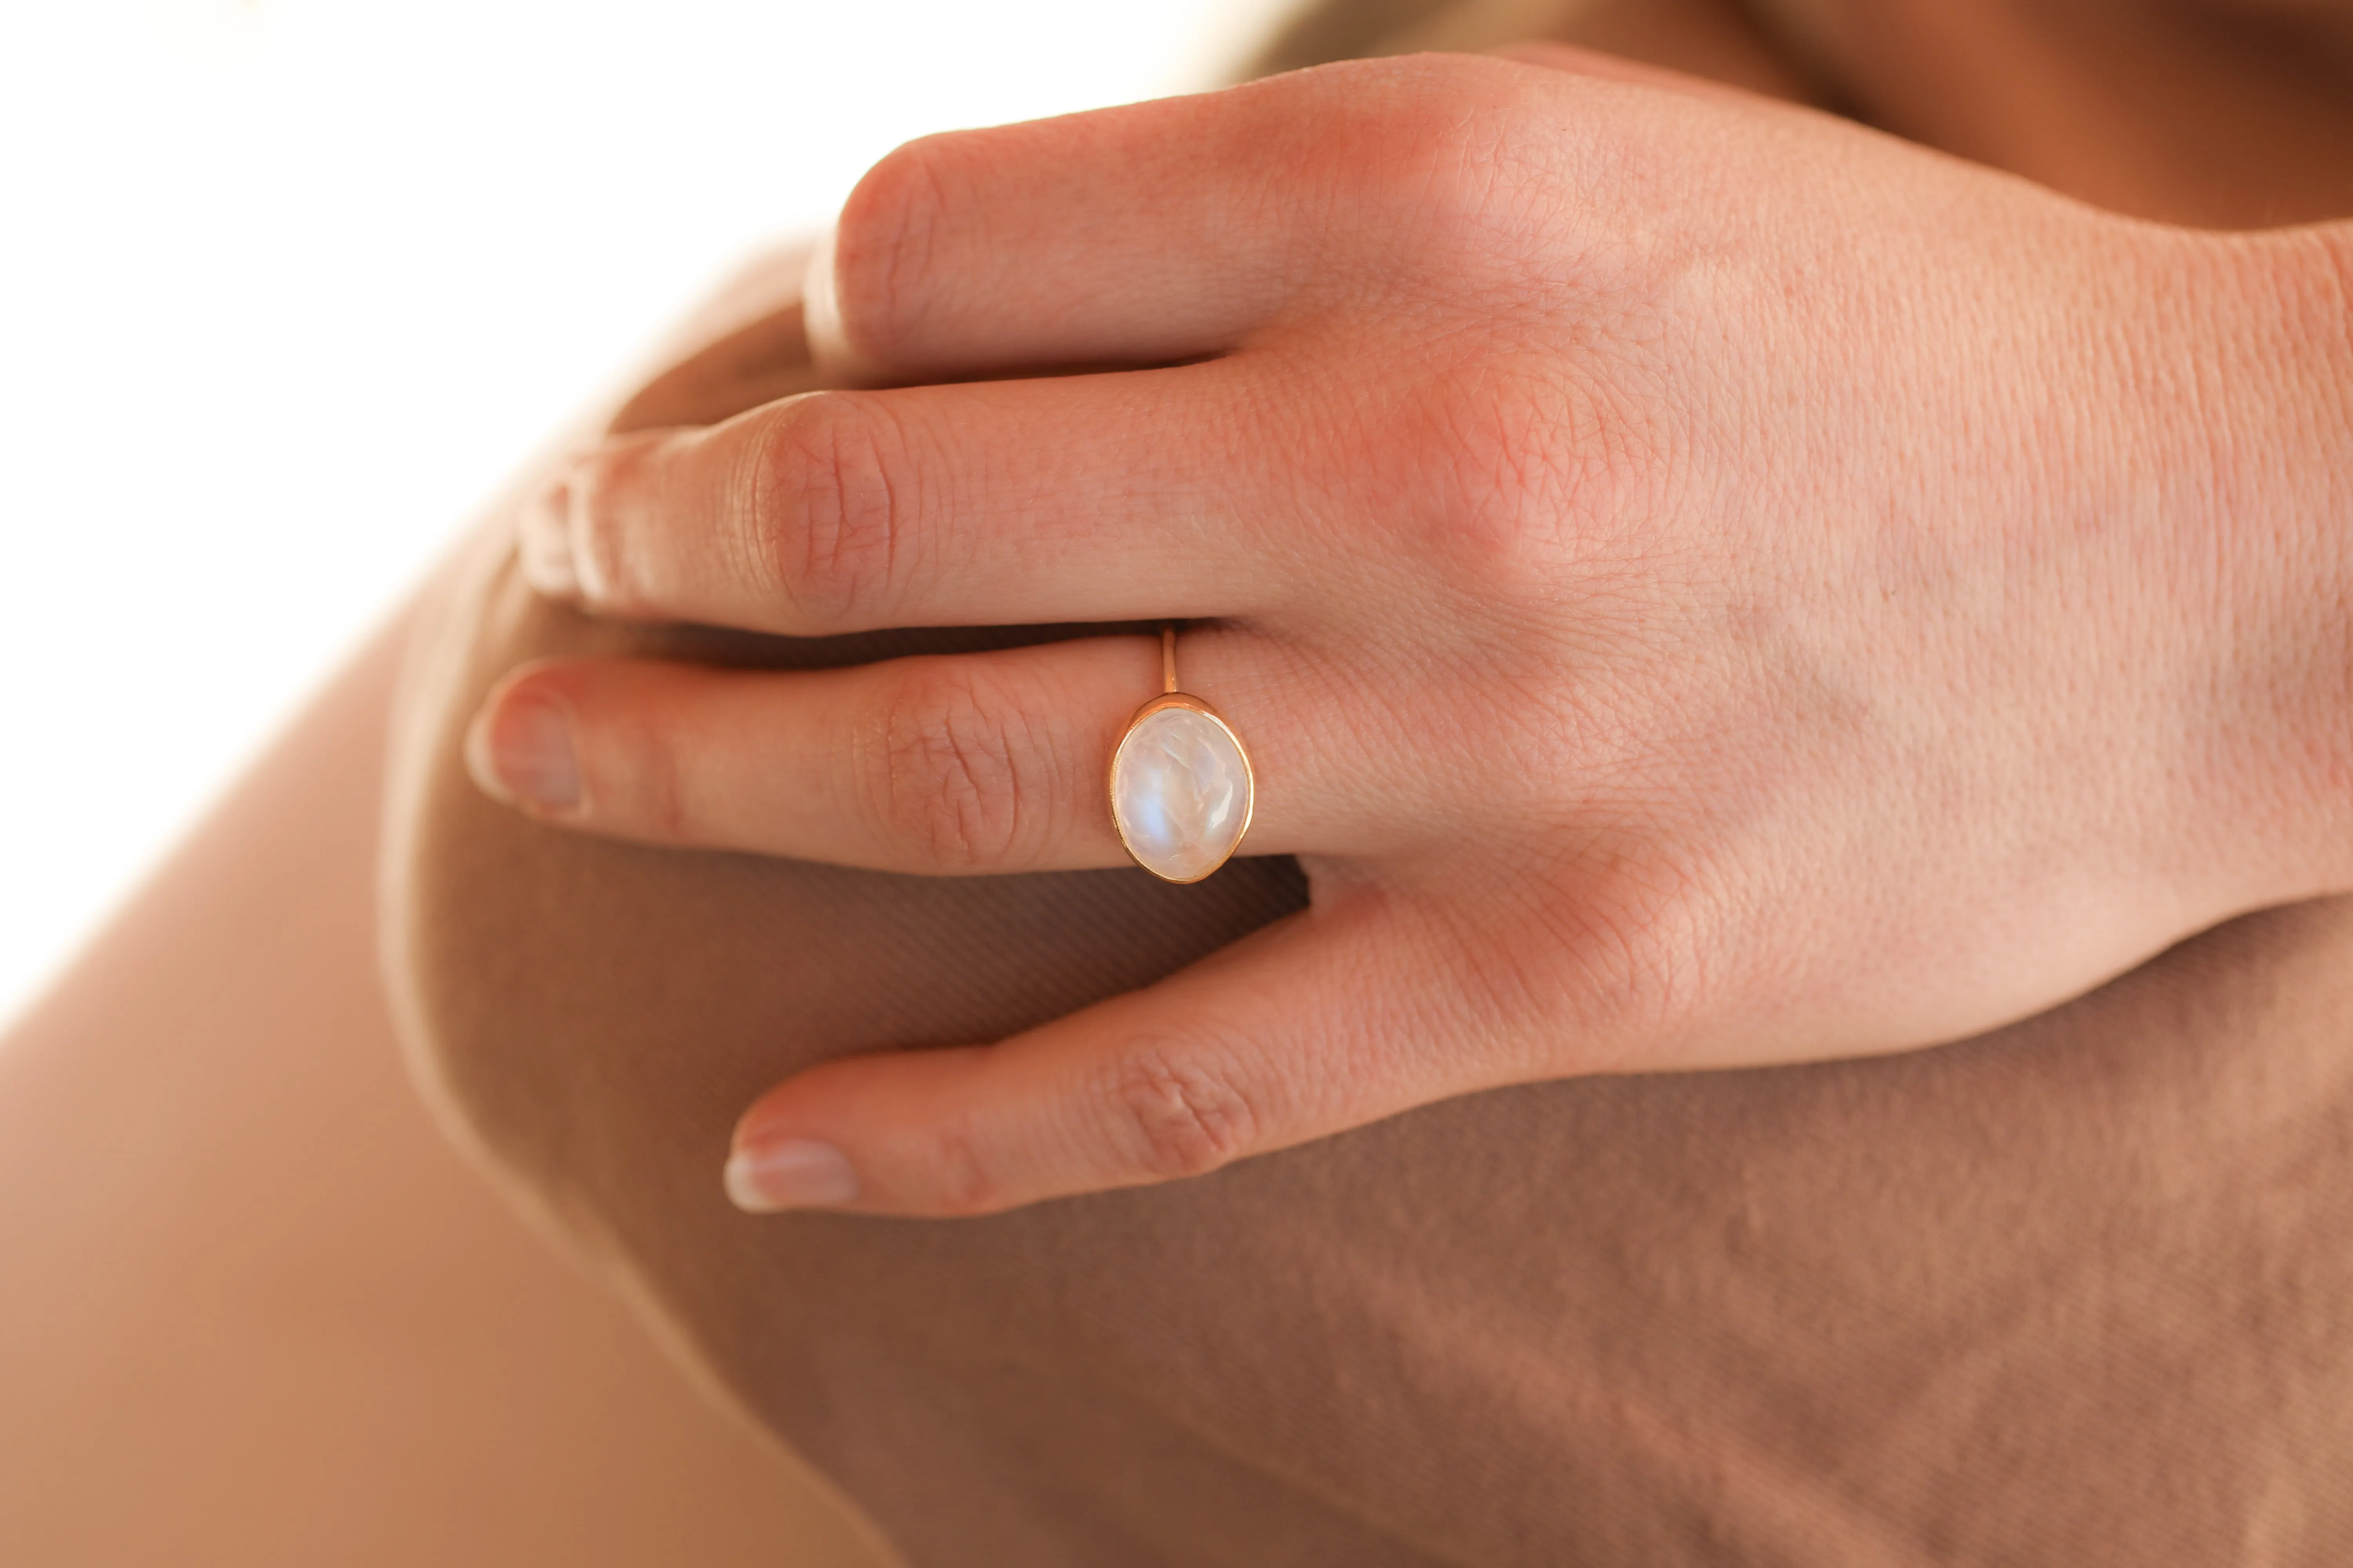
790	1173
520	750
543	537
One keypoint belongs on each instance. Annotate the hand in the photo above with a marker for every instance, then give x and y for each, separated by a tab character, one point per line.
1703	585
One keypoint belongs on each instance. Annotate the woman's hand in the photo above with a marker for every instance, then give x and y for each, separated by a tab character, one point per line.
1702	584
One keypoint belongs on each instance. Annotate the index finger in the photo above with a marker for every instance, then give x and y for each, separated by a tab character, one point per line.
1140	235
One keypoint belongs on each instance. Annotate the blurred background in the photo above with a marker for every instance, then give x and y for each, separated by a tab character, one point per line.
288	286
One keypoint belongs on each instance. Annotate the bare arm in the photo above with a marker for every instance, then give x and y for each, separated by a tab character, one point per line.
256	1314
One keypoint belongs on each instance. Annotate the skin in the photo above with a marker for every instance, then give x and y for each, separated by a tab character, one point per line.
258	1312
430	1350
1832	598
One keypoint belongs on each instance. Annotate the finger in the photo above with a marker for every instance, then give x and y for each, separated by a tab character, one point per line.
968	764
1130	235
1141	496
1321	1021
1138	235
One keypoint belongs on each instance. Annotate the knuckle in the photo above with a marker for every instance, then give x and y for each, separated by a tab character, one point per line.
1176	1114
1499	455
1649	962
630	774
828	511
951	789
1523	470
1453	189
1447	166
966	1184
1629	961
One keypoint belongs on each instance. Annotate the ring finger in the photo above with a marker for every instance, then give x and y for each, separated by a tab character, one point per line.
963	764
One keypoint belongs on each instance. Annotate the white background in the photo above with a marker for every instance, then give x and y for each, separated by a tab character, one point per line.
287	285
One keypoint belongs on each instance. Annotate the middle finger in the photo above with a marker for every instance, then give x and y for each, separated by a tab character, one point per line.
1138	495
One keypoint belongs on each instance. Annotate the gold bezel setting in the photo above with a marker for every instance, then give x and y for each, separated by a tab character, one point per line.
1169	699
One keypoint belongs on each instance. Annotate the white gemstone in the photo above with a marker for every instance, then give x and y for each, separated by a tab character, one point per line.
1180	793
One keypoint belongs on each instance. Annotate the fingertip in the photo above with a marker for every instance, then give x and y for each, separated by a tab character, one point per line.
480	766
883	1134
836	358
520	750
772	1174
743	1185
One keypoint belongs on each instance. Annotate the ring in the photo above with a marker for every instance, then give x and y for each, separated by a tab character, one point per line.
1181	787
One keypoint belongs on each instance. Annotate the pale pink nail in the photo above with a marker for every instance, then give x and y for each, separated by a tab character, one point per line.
521	751
790	1173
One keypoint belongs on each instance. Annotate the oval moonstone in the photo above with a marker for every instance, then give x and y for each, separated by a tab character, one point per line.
1180	794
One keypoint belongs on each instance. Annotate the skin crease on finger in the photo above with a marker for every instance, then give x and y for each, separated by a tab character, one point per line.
1853	599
